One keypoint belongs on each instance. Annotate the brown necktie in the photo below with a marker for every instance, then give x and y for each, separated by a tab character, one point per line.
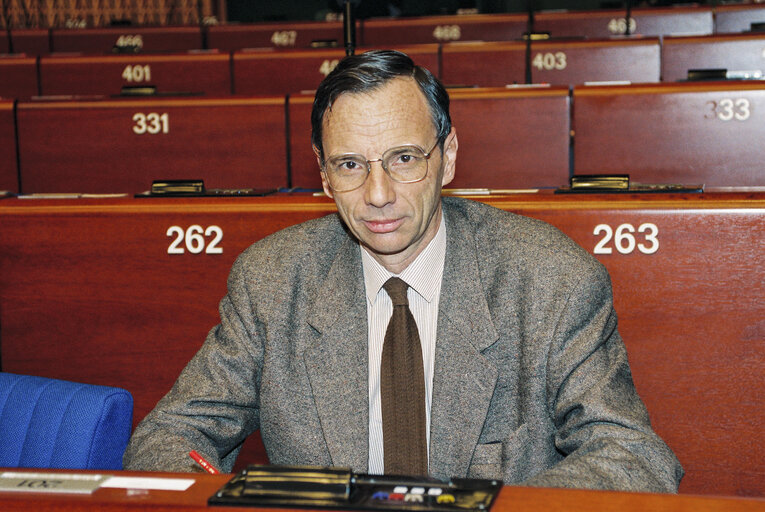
402	389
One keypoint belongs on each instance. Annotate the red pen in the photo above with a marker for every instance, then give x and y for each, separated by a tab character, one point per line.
202	462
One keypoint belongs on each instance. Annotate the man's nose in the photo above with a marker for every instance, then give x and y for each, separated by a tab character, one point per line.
379	186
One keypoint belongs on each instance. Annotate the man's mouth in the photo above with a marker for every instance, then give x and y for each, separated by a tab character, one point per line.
383	225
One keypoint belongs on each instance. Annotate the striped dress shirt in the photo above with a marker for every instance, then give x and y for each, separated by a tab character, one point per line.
424	277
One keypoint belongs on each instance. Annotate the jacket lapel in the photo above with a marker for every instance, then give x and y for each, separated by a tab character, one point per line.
463	380
337	362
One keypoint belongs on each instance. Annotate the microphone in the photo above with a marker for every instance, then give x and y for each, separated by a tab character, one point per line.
349	26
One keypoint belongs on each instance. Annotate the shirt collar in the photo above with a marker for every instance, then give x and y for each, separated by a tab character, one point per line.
423	275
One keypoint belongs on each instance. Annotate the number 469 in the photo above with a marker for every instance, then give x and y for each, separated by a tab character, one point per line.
624	239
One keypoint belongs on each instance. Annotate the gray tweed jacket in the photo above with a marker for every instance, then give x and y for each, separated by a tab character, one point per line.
531	380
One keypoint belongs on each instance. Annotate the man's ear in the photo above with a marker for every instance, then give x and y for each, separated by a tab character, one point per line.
451	144
324	183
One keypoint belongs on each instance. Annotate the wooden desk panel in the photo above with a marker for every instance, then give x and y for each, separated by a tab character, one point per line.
491	64
9	178
708	133
18	76
509	138
192	72
5	42
145	39
444	29
32	41
516	138
738	18
97	275
122	145
275	35
734	52
644	21
276	72
577	62
304	169
516	499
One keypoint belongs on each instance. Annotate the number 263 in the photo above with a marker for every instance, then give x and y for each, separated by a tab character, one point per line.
625	240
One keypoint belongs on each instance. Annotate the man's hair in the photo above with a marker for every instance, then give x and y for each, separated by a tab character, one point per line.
370	70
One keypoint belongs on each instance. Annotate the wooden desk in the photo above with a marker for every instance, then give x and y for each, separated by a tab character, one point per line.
89	292
738	18
143	39
278	72
612	22
18	76
509	138
275	35
515	499
578	62
32	41
734	52
198	72
557	62
122	145
484	64
9	177
699	132
443	29
5	42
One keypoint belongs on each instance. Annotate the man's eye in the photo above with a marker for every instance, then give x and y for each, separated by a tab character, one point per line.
350	165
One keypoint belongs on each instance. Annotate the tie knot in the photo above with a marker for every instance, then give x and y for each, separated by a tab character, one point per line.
396	289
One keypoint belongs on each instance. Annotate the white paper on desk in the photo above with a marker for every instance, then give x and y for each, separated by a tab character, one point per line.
153	483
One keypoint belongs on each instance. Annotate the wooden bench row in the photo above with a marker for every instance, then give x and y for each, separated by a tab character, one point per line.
123	292
522	137
390	31
482	64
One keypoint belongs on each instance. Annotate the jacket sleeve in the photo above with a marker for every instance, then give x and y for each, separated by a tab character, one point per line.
602	427
214	404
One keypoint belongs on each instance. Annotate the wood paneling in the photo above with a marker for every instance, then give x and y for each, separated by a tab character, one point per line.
146	39
515	499
734	52
443	29
193	72
557	62
118	146
275	35
279	72
738	18
509	138
607	22
88	292
707	132
577	62
18	76
9	179
32	41
493	64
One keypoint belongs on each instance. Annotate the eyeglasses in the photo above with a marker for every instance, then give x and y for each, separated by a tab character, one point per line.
404	164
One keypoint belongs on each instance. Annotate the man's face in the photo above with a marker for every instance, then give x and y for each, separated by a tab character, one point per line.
394	221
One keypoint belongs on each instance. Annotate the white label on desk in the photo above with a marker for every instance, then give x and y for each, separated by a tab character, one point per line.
50	482
158	484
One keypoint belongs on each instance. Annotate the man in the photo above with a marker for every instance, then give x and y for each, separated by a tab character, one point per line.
521	374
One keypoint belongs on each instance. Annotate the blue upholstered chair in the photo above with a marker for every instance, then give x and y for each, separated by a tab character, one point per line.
50	423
